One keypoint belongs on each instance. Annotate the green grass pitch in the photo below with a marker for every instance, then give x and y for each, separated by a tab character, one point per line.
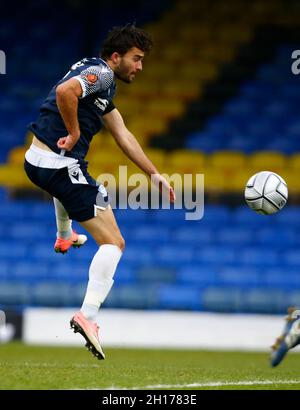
35	367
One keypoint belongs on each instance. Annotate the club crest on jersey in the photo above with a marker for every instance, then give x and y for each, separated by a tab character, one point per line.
92	78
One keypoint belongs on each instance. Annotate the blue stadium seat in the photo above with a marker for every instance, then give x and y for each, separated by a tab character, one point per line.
28	230
28	271
291	258
149	233
241	277
179	297
221	127
285	146
192	235
68	271
14	293
203	143
279	108
266	300
197	274
282	277
240	143
245	217
130	216
235	236
4	270
253	256
290	216
134	296
261	128
82	256
292	130
155	274
167	217
43	253
276	236
138	254
240	109
3	194
13	211
12	251
270	74
52	294
125	274
258	90
43	211
215	216
220	299
174	255
289	92
215	254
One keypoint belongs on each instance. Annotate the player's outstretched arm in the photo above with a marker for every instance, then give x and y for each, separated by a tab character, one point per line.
113	121
67	95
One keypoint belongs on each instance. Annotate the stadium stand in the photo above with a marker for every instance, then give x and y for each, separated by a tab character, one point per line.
217	97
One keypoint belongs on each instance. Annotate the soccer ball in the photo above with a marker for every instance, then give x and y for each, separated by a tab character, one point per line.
266	193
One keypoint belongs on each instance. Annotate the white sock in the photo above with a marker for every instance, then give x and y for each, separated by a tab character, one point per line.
101	272
63	222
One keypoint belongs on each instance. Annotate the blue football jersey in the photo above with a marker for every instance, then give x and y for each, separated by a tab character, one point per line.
98	85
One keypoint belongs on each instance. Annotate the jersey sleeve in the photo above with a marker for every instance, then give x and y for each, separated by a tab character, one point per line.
93	79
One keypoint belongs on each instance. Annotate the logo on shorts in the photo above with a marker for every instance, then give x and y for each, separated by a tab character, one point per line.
101	103
75	174
7	330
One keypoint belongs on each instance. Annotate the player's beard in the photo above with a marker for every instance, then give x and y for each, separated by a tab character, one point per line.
123	73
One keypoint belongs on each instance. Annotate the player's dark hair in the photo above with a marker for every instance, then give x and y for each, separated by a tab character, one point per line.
122	39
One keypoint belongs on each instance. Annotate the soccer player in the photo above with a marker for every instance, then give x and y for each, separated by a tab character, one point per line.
289	338
73	112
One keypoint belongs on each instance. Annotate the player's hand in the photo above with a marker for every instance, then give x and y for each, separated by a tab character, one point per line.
67	142
163	185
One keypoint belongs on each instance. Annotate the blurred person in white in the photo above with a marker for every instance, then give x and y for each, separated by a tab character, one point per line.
289	338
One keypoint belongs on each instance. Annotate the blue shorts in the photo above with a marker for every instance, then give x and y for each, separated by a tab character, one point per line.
68	180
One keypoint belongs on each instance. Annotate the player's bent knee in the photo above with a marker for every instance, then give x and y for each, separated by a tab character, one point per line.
117	241
121	243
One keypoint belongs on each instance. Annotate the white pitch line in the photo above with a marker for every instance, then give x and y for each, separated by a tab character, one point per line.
209	384
50	365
